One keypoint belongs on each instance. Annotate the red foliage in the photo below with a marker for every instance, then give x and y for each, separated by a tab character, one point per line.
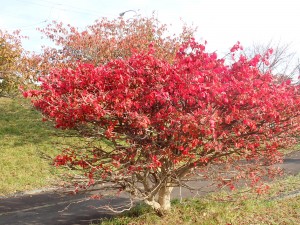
106	40
163	119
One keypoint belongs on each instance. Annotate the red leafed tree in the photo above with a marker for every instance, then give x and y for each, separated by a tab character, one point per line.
166	121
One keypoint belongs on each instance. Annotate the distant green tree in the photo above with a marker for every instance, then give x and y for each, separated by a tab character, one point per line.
13	63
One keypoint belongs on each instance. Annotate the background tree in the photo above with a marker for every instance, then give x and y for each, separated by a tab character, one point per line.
10	55
164	118
16	64
106	40
283	61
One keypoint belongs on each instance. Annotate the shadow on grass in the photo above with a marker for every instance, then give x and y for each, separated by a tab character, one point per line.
18	120
140	209
21	124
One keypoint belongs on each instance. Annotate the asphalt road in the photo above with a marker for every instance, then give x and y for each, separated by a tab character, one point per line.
58	209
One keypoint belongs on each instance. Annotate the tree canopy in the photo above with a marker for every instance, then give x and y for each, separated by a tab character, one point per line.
10	55
167	118
18	67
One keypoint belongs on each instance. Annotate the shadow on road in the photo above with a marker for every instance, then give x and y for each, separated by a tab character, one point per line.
50	209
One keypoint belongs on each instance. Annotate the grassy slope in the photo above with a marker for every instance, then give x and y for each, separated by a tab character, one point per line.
25	140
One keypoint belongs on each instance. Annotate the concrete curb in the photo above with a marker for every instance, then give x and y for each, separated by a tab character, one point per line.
292	194
31	192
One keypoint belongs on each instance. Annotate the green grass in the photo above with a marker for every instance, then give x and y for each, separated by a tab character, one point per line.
236	208
25	141
291	149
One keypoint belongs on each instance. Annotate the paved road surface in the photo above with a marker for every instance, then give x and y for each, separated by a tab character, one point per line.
50	208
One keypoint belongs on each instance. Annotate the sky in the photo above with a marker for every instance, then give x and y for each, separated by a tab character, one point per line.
221	23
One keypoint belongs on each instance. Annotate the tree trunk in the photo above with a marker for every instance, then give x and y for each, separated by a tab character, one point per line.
163	203
164	198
